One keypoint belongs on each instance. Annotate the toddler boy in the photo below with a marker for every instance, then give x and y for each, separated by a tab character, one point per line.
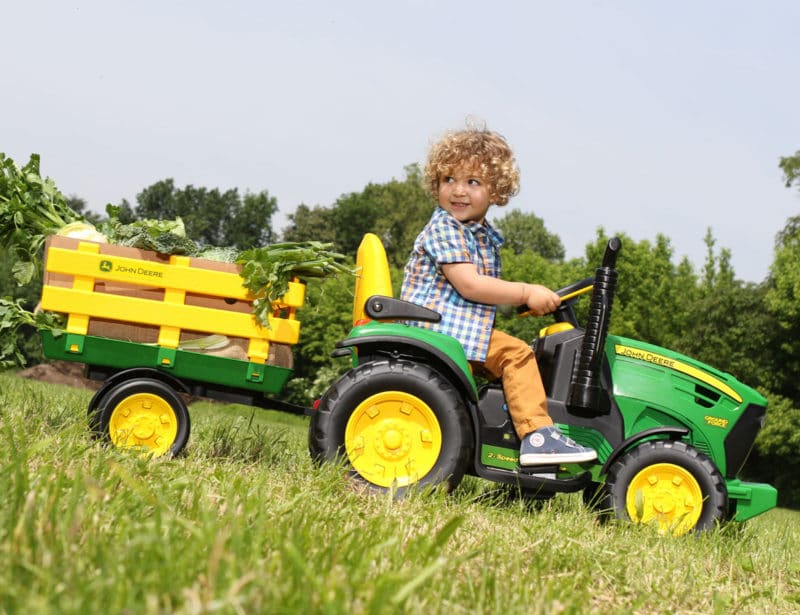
454	269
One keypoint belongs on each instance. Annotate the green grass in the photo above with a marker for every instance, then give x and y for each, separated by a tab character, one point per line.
244	523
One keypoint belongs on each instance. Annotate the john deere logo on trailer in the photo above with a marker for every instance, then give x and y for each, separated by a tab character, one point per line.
106	265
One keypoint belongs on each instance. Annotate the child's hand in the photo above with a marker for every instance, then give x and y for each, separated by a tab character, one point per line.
540	299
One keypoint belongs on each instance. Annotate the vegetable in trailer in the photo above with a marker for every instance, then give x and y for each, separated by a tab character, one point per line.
31	208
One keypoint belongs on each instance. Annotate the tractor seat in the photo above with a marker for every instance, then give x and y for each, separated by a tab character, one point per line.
373	298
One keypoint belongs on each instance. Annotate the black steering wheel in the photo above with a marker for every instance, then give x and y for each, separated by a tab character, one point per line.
568	294
576	289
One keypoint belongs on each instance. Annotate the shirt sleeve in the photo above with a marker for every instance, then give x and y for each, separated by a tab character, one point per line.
447	242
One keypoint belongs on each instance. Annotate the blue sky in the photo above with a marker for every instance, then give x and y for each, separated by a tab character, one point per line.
641	117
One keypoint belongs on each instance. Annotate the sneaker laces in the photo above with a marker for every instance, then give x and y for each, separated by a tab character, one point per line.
559	435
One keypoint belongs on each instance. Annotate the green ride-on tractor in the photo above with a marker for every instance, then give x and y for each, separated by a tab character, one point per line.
671	433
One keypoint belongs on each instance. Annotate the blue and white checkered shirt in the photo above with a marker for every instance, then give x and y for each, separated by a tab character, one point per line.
443	241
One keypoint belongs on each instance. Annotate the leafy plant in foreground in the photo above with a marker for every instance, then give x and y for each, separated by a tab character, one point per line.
12	317
31	208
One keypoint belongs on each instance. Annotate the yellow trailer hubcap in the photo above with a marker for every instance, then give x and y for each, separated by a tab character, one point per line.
666	494
393	438
144	420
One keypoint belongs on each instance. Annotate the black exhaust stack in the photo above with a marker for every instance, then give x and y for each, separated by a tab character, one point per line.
585	390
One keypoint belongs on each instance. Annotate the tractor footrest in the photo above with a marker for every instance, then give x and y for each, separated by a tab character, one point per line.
540	471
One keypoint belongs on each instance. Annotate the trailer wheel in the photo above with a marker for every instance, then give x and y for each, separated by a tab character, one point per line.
396	424
668	483
142	413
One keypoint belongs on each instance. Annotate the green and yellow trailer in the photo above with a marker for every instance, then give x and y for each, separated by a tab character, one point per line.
157	330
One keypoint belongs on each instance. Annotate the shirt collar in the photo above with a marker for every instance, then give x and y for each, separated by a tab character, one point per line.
477	227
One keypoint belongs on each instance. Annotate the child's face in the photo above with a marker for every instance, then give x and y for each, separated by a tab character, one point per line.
464	195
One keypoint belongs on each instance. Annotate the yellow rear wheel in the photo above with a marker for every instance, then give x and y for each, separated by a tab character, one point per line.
142	413
396	423
393	438
143	420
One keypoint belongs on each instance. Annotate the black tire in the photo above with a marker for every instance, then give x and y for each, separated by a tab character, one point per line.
594	497
408	427
143	413
668	482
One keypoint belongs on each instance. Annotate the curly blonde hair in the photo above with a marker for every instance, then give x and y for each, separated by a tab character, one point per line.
486	152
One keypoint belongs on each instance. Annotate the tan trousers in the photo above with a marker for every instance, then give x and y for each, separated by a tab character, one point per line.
512	360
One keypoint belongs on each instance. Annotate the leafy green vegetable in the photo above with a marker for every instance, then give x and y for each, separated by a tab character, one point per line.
13	316
222	255
267	271
31	208
164	236
82	230
209	342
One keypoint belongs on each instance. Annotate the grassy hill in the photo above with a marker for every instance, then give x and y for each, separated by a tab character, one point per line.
243	522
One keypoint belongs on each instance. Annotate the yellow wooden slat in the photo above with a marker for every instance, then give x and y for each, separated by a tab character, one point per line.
78	323
294	297
170	337
258	350
158	313
114	268
146	273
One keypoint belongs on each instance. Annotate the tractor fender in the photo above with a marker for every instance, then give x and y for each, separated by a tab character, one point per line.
133	373
400	346
664	433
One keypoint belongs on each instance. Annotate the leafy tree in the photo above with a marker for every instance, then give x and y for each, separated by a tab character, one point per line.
211	217
408	207
717	269
790	165
727	325
774	459
158	201
125	212
396	211
527	232
251	226
783	296
730	325
653	294
325	319
79	206
310	223
783	301
731	330
355	214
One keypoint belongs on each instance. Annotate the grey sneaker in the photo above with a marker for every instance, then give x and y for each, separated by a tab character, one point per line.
548	445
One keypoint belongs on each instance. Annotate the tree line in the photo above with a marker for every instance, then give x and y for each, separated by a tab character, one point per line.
751	330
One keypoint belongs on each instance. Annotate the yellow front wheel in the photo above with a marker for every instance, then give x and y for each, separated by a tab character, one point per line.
666	494
143	413
669	484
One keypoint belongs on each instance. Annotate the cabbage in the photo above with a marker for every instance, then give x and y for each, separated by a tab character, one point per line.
82	230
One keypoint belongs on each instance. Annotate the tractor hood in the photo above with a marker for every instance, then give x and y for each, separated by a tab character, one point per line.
656	387
680	366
